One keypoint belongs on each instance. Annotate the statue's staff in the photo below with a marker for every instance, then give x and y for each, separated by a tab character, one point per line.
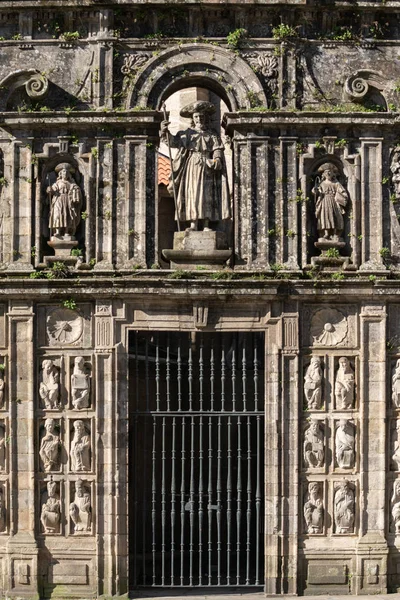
172	169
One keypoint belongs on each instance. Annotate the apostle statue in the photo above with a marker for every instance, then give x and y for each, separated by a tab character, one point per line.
80	448
199	169
65	204
396	447
344	508
80	384
313	446
50	447
330	201
314	508
345	445
313	384
51	510
49	389
396	385
80	509
344	385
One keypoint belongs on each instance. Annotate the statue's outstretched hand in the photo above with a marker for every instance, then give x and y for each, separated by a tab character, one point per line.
164	127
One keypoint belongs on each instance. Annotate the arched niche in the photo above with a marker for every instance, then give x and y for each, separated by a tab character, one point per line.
197	65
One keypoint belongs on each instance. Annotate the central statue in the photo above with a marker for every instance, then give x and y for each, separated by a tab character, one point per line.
199	169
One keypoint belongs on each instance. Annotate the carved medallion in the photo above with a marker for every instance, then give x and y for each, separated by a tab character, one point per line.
328	327
64	326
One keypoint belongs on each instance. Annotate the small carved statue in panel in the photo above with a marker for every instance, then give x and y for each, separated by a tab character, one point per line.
344	508
396	447
314	508
51	510
344	385
396	506
50	447
396	385
330	202
2	449
80	448
80	384
80	509
2	384
345	444
49	389
314	445
313	384
3	520
65	204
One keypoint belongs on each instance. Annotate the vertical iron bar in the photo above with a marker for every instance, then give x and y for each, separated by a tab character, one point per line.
233	379
219	501
157	377
201	374
168	378
223	379
212	376
229	505
153	502
147	376
258	504
183	499
238	501
200	500
191	496
163	504
135	492
173	494
190	377
255	376
209	500
179	377
244	395
137	408
248	511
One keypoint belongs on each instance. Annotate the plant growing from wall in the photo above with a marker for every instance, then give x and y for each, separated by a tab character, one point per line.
283	32
236	39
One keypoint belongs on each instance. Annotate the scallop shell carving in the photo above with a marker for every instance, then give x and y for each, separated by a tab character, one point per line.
328	327
64	326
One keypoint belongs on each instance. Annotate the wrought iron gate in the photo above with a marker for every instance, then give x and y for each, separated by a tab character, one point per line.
196	447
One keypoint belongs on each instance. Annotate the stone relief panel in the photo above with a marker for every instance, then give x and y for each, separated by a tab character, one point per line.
396	446
396	385
314	445
344	385
49	388
80	509
313	381
51	508
3	509
344	507
329	327
81	446
345	442
59	327
80	383
395	507
50	446
314	508
3	447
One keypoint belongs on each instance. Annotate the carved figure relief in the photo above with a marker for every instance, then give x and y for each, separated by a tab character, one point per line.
328	327
49	389
2	449
2	390
395	169
80	448
314	508
80	509
396	385
344	510
51	510
396	447
345	445
80	384
313	384
64	326
344	385
65	204
313	447
330	201
3	514
395	502
199	169
50	447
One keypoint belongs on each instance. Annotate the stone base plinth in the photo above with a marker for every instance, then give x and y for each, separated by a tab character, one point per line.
62	247
326	262
192	249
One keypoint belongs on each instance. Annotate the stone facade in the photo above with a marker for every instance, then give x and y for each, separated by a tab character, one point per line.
312	121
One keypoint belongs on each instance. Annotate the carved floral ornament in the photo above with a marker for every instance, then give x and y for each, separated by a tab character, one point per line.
264	64
328	327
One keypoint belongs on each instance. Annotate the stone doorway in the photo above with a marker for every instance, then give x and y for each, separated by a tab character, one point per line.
196	454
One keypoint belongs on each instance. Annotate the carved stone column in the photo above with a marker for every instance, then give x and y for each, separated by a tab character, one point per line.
287	217
105	237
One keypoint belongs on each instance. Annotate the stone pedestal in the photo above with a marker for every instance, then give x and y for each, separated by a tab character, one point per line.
327	262
208	249
62	251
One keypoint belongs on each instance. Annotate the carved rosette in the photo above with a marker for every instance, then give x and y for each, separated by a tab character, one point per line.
132	63
266	67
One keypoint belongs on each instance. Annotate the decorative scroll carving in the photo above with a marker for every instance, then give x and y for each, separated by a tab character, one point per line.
36	85
51	509
362	83
64	326
344	509
396	385
344	385
80	448
396	447
49	389
80	384
328	327
80	509
395	502
313	447
50	447
345	445
313	384
314	508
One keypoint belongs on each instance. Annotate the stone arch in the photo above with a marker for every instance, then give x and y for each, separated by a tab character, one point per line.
197	65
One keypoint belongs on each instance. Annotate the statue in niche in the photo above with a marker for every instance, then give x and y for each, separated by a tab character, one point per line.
396	505
2	450
80	384
345	445
395	169
50	447
2	384
330	201
344	385
51	510
65	204
3	521
313	384
199	170
314	508
80	448
313	447
49	389
396	447
80	509
344	508
396	385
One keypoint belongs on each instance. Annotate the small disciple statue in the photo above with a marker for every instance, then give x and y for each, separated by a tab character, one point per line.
50	447
80	384
65	204
199	170
3	521
314	445
330	201
313	384
395	169
344	508
80	509
344	385
345	445
396	385
396	447
80	448
1	392
51	510
49	389
396	506
314	509
2	450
